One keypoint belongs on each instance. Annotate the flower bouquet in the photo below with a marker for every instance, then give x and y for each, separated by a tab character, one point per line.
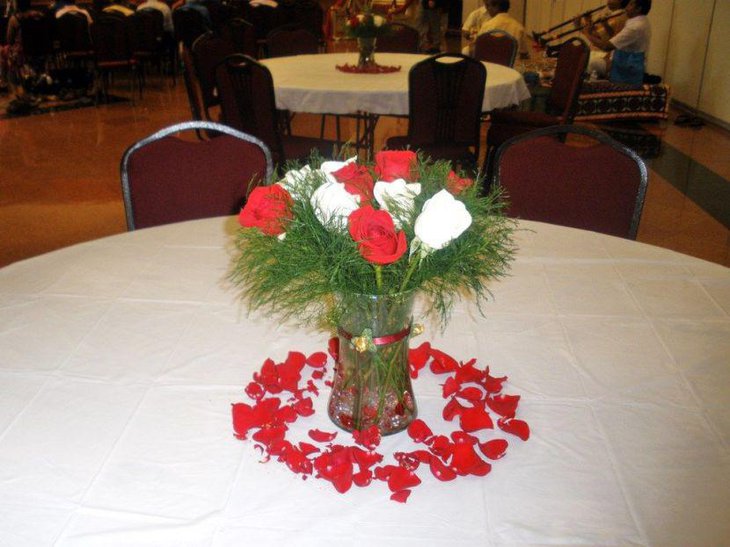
366	27
346	246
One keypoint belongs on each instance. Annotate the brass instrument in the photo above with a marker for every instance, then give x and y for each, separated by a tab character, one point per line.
540	37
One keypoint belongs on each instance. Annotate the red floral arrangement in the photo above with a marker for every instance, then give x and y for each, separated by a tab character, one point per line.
281	395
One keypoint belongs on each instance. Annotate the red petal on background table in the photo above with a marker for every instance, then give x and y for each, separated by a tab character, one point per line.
494	449
411	460
515	427
318	374
475	418
317	360
471	394
270	434
365	459
451	386
370	438
442	362
451	409
333	347
286	414
468	373
363	478
304	407
440	471
307	448
321	436
342	477
401	496
441	447
297	461
419	431
398	478
504	405
268	377
417	358
255	390
242	419
492	384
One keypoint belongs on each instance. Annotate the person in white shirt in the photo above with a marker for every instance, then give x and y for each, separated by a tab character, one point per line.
630	46
501	20
71	7
473	23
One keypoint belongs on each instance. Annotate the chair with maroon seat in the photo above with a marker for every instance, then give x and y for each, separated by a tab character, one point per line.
573	176
401	39
112	39
496	46
560	105
208	51
189	24
445	94
242	34
73	37
248	103
168	179
148	39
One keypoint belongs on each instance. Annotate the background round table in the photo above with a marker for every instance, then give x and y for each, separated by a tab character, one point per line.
312	83
120	358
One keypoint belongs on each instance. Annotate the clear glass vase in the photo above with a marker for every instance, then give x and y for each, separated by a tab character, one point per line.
366	47
371	384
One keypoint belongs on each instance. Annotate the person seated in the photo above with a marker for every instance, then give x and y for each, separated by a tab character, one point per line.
12	61
197	5
473	23
629	46
500	19
608	23
63	7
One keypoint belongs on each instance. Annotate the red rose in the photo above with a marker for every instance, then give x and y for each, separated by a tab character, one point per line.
455	184
375	235
357	180
395	164
268	208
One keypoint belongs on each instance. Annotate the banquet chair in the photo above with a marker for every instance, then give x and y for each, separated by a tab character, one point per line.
445	94
112	39
573	176
242	34
208	51
248	103
73	38
401	39
36	34
285	42
169	179
188	25
496	46
560	105
148	30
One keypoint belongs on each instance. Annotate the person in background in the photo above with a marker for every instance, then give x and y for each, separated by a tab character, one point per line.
431	33
162	7
500	19
408	13
118	7
12	61
629	46
609	24
197	5
63	7
472	24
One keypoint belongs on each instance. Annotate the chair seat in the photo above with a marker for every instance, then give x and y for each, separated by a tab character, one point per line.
300	148
453	152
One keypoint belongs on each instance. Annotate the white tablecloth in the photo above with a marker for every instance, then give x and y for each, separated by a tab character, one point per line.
311	83
120	358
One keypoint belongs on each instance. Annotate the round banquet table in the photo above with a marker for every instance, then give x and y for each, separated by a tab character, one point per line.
120	358
312	83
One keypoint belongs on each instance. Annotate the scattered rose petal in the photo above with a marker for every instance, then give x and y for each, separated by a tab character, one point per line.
475	418
417	358
370	438
440	471
492	384
255	390
317	360
494	449
515	427
401	496
333	348
304	407
321	436
504	405
450	387
471	394
419	431
452	408
442	362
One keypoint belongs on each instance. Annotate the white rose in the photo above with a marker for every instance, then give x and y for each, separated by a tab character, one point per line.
332	203
293	179
442	219
329	167
396	197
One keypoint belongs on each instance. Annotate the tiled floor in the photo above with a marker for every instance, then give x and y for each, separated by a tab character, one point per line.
59	176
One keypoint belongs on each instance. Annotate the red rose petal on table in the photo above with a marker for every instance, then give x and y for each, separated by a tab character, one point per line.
441	447
318	374
365	459
441	471
475	418
494	449
401	496
304	407
442	362
451	409
363	478
417	358
471	394
492	384
515	427
504	405
321	436
468	372
243	419
450	387
307	448
411	460
419	431
255	390
317	359
401	478
270	434
370	438
286	414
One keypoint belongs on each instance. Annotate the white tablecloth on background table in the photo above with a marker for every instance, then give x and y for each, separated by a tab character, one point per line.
312	83
120	358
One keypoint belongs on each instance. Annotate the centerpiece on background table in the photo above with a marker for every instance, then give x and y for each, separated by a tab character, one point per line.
366	27
347	246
